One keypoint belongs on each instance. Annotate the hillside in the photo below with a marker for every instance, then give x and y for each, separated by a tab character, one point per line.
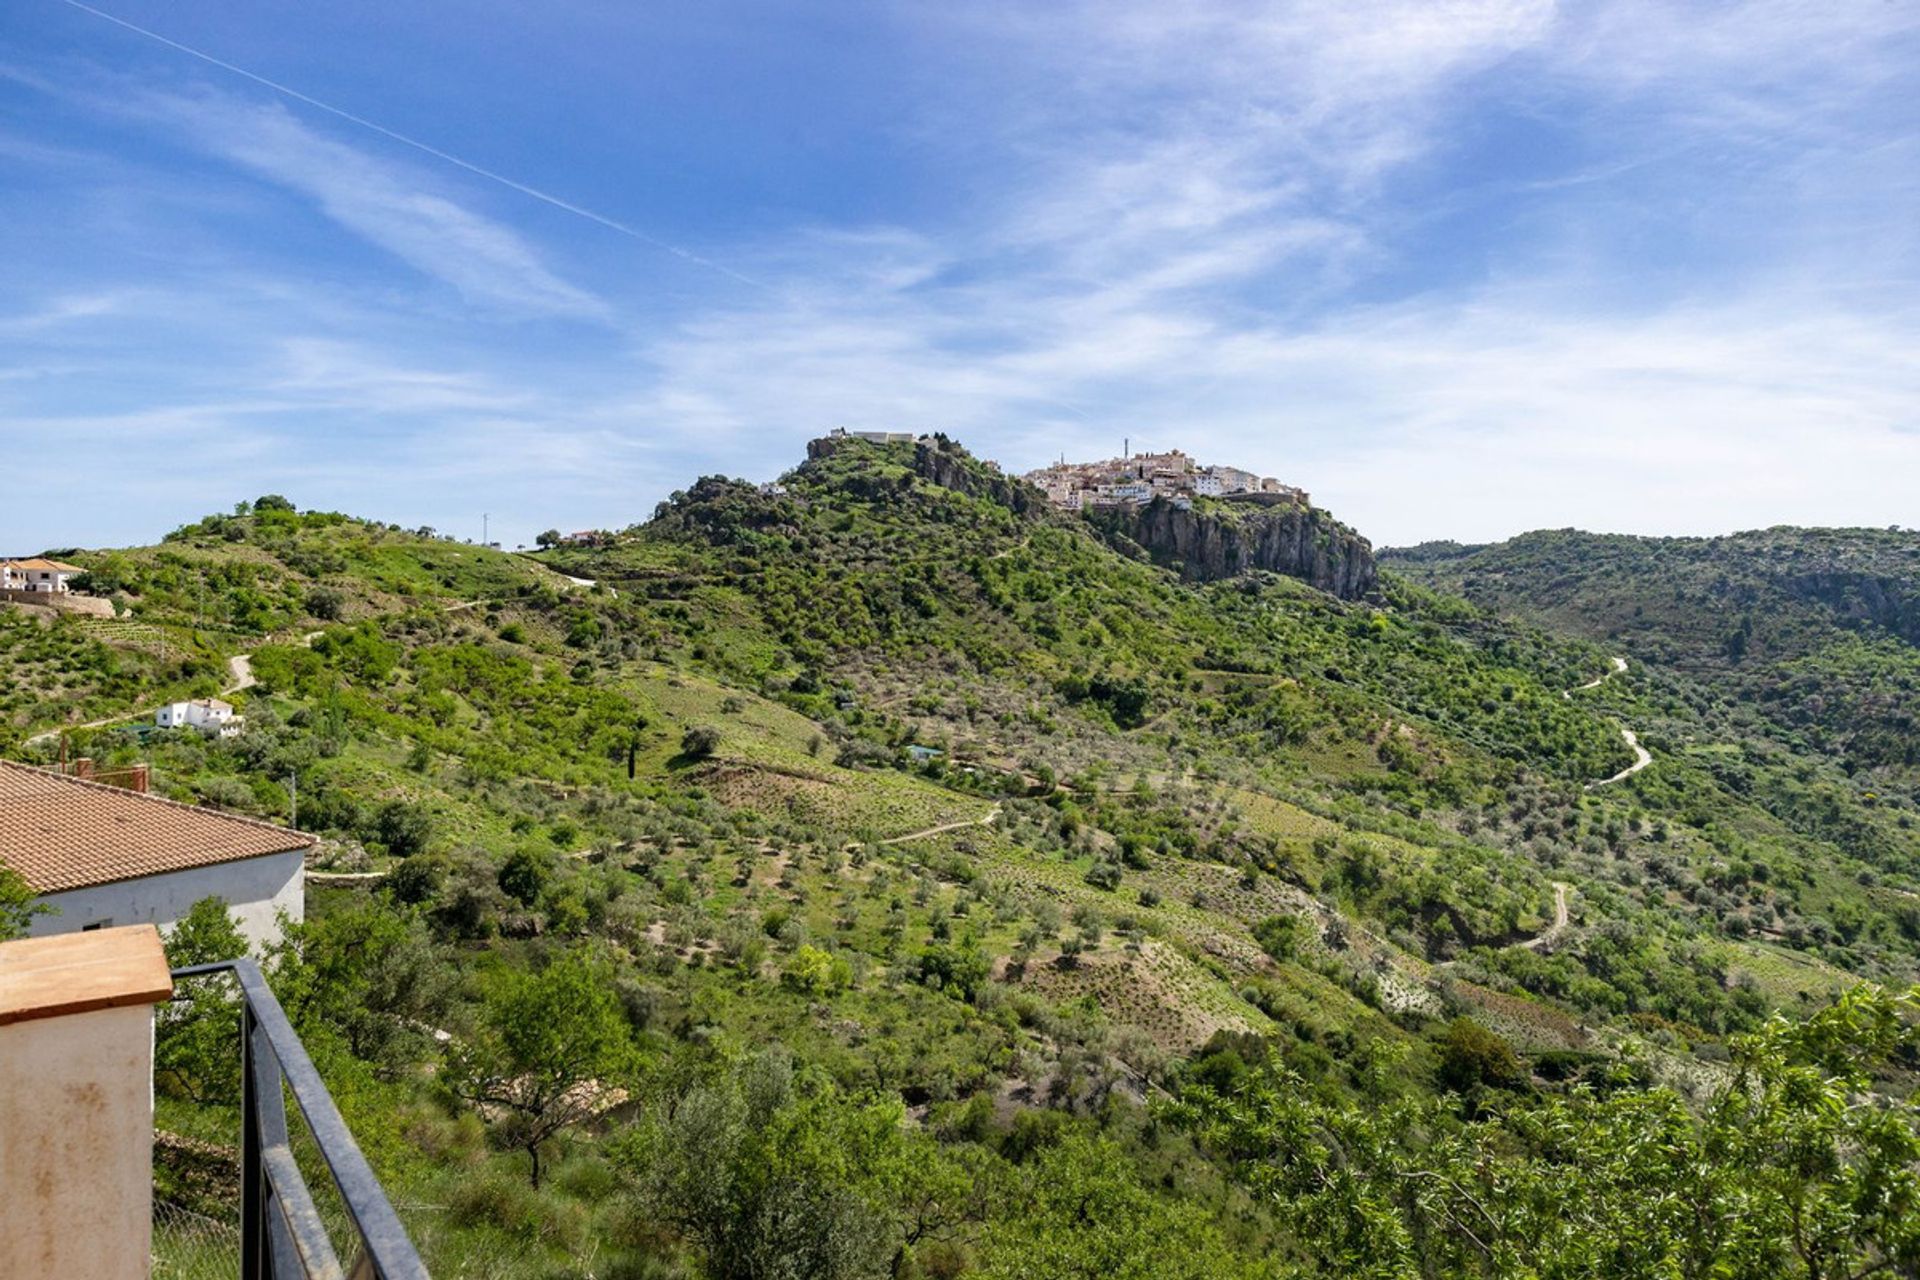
1813	632
1008	835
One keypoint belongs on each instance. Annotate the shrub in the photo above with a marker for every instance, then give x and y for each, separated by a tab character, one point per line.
1471	1055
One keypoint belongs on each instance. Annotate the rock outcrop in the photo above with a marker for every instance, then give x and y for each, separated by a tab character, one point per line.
1204	544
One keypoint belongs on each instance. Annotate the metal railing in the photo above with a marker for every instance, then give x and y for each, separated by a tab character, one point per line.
282	1236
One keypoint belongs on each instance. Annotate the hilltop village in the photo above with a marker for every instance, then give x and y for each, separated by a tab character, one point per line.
1135	479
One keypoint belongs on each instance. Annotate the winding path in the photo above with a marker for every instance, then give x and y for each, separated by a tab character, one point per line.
1619	665
1641	756
991	814
239	676
1559	925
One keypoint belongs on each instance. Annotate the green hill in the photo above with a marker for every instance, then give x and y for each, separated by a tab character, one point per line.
1008	827
1801	643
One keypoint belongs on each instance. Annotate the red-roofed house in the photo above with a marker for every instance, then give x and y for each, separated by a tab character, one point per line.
38	574
105	856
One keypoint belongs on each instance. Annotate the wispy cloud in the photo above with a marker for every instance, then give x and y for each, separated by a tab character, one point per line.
1461	267
393	206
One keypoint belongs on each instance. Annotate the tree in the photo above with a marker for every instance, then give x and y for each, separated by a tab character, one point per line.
367	973
1078	1212
1471	1056
524	875
403	828
958	971
775	1172
699	742
326	603
548	538
196	1046
814	972
17	904
272	502
552	1048
1795	1170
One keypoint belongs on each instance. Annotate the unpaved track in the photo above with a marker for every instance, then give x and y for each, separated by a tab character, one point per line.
1559	925
1641	756
991	815
239	676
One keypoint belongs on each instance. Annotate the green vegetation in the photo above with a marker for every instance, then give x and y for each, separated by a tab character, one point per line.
889	876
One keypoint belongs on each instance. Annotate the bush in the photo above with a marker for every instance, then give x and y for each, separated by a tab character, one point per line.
699	742
326	603
524	875
403	828
1471	1056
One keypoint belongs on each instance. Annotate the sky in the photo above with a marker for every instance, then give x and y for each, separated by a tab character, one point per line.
1461	268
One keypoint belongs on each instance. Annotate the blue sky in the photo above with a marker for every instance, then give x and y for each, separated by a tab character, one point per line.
1460	267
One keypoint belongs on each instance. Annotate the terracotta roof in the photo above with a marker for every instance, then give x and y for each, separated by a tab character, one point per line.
64	833
40	563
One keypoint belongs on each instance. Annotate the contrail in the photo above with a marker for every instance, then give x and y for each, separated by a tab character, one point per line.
525	190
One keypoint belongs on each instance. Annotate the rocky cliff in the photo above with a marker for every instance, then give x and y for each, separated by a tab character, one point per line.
1220	541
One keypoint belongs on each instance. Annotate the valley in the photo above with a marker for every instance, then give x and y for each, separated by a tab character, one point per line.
1037	843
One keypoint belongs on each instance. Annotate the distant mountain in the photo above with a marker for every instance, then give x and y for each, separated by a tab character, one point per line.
1815	630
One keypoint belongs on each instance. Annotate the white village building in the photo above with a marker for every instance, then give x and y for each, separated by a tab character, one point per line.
38	574
210	716
104	856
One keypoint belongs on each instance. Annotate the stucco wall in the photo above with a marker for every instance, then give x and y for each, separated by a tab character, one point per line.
255	889
76	1145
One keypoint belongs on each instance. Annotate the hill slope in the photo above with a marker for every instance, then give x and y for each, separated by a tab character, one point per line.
1814	631
987	817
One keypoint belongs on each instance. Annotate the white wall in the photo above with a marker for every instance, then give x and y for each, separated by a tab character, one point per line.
255	888
76	1145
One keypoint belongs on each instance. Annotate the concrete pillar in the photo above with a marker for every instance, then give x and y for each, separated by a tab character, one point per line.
76	1102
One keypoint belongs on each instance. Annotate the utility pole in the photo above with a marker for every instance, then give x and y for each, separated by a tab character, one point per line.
293	799
484	517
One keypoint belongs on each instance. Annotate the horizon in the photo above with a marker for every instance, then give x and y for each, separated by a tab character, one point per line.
567	526
1628	268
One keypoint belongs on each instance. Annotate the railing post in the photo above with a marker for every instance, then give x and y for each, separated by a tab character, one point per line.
282	1236
254	1263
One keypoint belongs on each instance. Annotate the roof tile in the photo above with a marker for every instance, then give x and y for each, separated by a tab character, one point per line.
63	833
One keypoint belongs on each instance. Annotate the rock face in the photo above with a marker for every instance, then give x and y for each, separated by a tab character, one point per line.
1864	597
1299	541
948	465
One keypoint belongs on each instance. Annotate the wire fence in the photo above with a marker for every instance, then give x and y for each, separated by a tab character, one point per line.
196	1209
190	1245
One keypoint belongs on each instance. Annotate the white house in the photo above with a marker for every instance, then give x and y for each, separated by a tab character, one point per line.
104	856
210	716
37	574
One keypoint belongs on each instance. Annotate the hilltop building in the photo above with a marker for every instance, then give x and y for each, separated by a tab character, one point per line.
107	856
38	575
1140	478
874	437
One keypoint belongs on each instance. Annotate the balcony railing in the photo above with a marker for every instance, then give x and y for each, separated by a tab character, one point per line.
282	1235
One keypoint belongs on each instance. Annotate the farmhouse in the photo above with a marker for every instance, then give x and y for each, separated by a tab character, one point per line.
38	574
210	716
104	856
